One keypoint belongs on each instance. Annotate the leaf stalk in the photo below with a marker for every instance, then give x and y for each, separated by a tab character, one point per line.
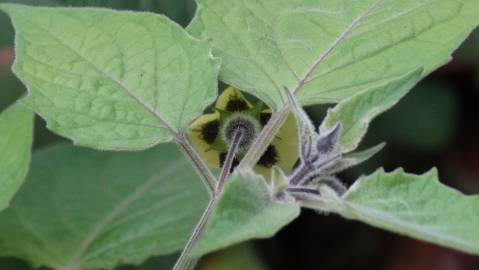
208	178
186	261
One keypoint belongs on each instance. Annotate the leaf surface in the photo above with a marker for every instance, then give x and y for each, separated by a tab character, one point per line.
16	136
84	209
418	206
336	48
109	79
246	210
355	113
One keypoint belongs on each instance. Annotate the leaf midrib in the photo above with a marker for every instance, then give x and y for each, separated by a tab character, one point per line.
119	84
343	36
279	116
75	260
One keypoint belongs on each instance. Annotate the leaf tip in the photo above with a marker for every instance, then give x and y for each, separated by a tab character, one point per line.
376	149
433	173
397	171
381	145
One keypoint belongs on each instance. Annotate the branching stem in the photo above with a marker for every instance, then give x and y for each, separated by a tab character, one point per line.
186	261
256	149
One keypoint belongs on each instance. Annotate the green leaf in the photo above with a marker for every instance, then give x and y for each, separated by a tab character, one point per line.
356	112
336	48
85	209
109	79
415	205
352	159
16	126
247	209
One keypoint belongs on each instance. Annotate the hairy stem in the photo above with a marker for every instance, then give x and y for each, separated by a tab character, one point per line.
299	175
302	189
264	138
255	151
208	178
226	170
186	261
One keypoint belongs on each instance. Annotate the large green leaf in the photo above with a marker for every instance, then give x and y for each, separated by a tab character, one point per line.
84	209
247	209
336	48
110	79
355	113
16	133
414	205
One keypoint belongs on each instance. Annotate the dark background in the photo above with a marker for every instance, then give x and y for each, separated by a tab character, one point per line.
435	125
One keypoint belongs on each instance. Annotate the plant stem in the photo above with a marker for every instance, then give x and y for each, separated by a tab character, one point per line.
264	138
185	261
208	178
226	170
256	150
300	174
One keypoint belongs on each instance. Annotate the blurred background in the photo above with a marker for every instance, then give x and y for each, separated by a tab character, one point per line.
435	125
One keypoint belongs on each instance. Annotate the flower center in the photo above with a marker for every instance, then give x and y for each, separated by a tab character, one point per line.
247	125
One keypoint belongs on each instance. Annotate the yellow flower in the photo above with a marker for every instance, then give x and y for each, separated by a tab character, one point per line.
209	133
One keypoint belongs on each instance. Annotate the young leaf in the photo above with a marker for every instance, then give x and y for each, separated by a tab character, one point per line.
109	79
356	112
279	180
352	159
306	130
415	205
16	134
85	209
329	50
246	210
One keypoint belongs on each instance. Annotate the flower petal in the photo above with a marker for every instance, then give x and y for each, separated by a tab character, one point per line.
285	146
286	143
232	100
196	136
